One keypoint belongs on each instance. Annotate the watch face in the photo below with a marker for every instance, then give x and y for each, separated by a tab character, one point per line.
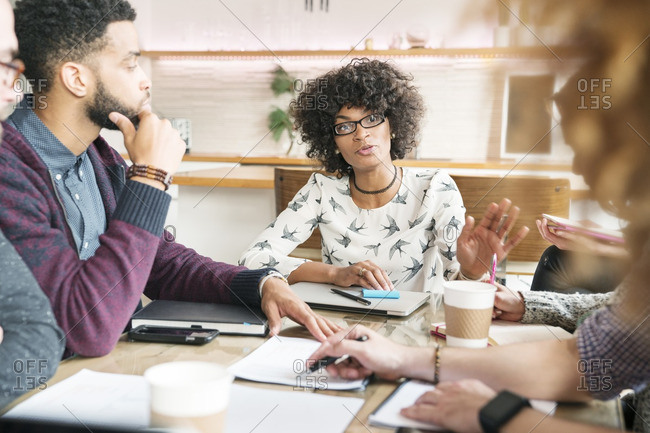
500	410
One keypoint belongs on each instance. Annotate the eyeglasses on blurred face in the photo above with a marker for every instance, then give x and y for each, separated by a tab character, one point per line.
370	121
10	71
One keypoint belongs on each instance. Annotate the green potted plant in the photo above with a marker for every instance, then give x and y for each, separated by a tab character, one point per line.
279	119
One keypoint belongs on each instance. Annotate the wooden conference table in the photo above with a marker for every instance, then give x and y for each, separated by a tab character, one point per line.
135	358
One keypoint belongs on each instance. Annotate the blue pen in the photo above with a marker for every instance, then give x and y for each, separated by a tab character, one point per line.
329	360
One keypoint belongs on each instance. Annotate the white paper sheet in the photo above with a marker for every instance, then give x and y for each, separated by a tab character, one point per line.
504	332
388	415
269	411
281	360
92	399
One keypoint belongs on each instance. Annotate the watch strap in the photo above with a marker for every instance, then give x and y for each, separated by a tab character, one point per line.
501	409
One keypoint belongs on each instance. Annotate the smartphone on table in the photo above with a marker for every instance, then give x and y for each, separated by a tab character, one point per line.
162	334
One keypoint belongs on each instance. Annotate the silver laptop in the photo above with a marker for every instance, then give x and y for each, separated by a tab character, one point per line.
318	295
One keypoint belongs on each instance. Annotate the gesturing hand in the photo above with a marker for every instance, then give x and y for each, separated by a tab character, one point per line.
476	245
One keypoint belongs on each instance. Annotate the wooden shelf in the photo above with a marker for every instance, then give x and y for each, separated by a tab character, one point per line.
261	176
306	162
473	53
253	160
228	177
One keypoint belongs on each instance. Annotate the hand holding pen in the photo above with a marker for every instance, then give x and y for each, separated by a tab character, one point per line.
367	353
329	360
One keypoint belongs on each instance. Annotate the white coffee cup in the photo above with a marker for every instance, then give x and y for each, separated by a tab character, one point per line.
190	395
468	312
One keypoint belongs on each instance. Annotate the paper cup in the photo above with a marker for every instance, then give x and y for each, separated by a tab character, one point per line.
189	395
468	312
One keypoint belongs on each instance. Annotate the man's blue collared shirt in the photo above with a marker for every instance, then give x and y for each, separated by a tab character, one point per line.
73	178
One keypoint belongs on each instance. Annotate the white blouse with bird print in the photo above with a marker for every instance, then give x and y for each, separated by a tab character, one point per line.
413	237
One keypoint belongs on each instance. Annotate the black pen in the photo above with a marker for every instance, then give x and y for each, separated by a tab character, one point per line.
359	299
329	360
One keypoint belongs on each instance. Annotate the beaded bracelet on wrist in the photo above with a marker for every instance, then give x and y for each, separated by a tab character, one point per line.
149	172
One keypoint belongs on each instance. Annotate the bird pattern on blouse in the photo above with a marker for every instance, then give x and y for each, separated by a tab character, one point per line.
397	247
400	237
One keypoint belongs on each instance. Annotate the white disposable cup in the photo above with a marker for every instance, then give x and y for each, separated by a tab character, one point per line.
189	395
468	312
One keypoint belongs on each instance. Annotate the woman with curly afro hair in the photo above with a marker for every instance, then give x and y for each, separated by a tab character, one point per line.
382	226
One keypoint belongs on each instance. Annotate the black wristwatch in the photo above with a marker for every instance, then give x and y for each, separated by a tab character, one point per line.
500	410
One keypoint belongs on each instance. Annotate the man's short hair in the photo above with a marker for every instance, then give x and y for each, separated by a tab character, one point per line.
54	32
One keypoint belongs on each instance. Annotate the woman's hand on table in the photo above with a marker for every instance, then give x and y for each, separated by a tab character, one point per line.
365	274
477	245
452	405
508	304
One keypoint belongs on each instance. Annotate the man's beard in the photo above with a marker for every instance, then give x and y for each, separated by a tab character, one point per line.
104	104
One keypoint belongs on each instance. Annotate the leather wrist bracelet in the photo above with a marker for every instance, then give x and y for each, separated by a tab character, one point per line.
149	172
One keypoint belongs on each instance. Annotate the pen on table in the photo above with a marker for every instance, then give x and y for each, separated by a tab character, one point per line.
359	299
329	360
494	268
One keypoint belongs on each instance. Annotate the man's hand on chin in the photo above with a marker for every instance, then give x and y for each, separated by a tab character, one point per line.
278	301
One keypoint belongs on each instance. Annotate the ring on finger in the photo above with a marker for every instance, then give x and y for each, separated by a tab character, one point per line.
362	271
